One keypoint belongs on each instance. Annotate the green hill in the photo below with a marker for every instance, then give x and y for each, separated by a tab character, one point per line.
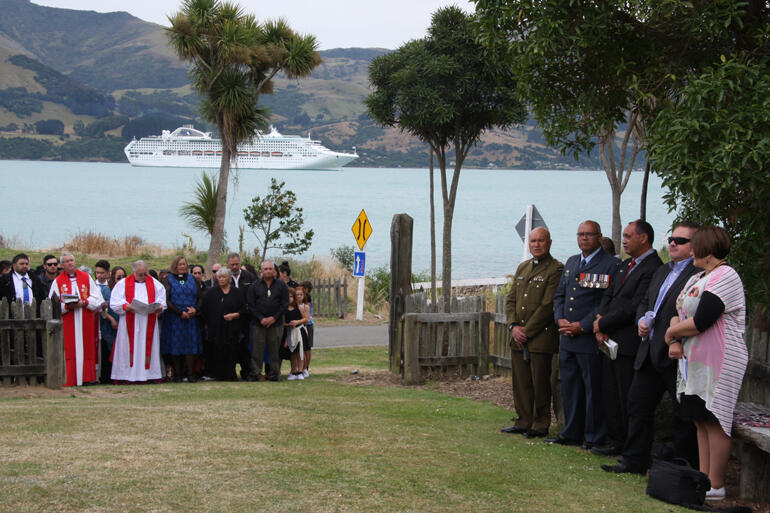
77	85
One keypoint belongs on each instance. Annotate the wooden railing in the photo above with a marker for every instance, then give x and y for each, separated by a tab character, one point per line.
31	346
330	298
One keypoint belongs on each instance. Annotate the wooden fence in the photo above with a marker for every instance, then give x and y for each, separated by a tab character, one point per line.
330	298
31	346
756	383
456	342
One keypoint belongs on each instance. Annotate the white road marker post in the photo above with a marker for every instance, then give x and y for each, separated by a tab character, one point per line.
360	301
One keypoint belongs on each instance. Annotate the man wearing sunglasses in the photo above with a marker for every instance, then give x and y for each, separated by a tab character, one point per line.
49	272
654	372
20	284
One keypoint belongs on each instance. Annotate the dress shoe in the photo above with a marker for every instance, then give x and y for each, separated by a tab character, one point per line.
558	439
622	468
513	430
535	434
610	449
587	446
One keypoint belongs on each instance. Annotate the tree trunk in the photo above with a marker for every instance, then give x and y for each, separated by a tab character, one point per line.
434	305
616	228
218	234
645	182
446	259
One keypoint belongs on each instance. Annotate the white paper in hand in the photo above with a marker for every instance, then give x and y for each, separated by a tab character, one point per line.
142	308
612	348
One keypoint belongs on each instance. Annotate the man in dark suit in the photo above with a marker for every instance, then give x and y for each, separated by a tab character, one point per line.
654	372
616	321
534	336
241	281
20	284
241	277
585	278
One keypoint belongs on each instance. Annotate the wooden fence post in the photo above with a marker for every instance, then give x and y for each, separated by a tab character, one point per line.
483	344
412	374
54	355
400	282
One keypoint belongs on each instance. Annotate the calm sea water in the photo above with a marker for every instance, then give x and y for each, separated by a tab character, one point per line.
46	203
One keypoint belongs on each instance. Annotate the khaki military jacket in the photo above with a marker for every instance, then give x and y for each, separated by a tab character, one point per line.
530	303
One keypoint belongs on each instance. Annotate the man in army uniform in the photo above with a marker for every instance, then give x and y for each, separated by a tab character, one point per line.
534	336
585	278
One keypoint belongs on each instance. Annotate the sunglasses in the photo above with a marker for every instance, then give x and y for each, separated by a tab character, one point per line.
52	263
680	241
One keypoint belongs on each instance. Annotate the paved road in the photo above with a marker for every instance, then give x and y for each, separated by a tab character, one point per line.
348	336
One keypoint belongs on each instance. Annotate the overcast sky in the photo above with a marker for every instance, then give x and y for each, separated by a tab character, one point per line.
336	23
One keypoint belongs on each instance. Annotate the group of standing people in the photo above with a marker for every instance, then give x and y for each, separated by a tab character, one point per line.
626	332
147	327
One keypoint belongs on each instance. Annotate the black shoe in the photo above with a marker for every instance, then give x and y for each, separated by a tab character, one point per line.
250	378
273	379
622	468
587	446
535	434
610	449
558	439
513	430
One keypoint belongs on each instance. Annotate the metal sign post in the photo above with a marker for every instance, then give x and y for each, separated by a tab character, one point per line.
362	229
531	220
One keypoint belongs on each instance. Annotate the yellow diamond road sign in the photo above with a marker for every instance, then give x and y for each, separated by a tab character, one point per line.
361	229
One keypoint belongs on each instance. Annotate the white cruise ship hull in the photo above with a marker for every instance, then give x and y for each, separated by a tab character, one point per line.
190	148
242	162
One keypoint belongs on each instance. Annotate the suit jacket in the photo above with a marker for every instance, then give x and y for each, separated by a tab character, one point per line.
8	290
621	301
656	348
530	303
245	278
576	300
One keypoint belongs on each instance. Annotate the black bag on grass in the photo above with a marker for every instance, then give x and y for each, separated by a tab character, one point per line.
676	482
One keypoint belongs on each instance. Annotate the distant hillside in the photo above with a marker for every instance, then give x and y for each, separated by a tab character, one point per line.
77	85
106	51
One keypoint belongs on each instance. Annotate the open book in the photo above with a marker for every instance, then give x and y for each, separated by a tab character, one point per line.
69	298
143	308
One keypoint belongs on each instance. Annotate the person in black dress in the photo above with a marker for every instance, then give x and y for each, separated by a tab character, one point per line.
222	309
295	317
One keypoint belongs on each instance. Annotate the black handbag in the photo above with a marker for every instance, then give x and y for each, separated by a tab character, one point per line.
676	482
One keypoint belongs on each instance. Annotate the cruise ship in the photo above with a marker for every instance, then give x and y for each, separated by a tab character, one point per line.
188	147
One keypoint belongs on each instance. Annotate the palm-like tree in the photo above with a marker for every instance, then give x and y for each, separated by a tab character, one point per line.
233	60
201	212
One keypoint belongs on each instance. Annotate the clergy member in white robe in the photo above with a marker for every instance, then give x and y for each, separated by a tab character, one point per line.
79	317
136	352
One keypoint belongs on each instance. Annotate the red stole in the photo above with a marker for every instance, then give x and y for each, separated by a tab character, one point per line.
131	316
87	325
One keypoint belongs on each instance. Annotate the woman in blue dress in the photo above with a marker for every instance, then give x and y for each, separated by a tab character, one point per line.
182	339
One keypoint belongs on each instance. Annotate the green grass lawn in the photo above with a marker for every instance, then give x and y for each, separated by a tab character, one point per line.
313	445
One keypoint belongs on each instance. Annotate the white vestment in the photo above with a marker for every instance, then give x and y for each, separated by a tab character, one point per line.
121	363
95	302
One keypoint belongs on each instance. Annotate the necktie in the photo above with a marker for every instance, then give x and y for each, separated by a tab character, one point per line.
582	263
25	287
630	266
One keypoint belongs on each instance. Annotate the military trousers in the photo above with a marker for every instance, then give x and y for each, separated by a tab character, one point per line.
532	390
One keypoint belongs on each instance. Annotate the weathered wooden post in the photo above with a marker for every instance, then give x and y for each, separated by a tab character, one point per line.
483	343
54	354
400	283
412	373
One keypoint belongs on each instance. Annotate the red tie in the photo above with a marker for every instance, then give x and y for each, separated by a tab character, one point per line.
630	266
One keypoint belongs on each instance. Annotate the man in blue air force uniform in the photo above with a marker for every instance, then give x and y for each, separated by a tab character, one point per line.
585	278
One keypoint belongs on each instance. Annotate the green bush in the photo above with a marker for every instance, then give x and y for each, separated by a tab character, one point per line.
344	256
